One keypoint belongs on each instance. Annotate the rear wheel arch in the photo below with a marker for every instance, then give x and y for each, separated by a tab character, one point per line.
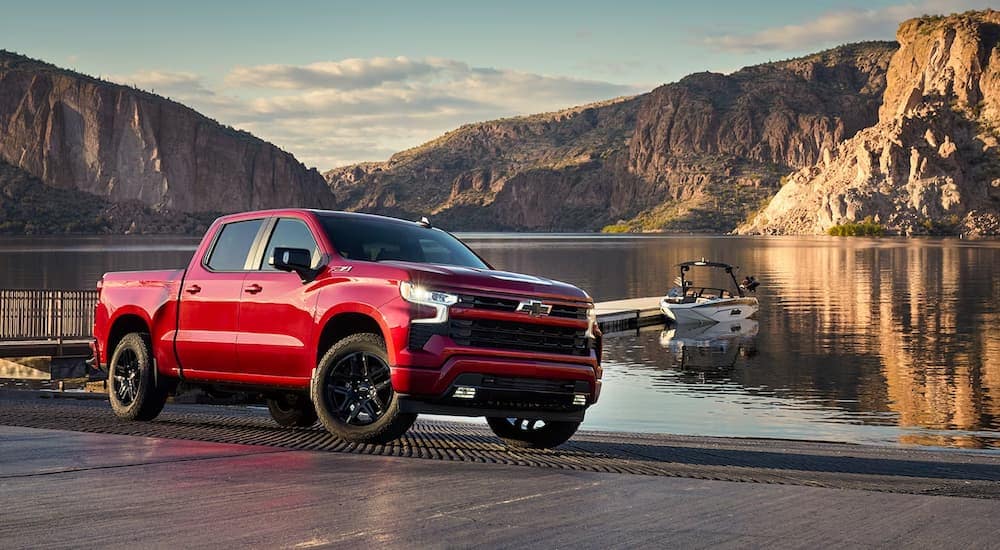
123	325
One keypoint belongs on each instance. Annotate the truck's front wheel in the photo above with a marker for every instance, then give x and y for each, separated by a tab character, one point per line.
353	393
529	433
132	387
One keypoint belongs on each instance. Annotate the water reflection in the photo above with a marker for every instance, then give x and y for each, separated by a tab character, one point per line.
713	347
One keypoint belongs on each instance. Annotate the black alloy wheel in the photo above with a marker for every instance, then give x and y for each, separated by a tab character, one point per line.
353	394
359	388
132	387
126	376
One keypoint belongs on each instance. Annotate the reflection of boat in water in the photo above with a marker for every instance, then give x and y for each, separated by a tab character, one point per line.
711	346
687	303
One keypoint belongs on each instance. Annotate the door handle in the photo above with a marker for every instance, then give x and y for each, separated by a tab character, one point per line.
253	289
193	289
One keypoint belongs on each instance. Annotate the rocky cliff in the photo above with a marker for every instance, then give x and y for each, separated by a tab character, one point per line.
931	164
698	154
122	144
552	171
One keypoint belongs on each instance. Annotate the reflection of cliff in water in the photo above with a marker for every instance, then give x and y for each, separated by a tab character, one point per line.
917	312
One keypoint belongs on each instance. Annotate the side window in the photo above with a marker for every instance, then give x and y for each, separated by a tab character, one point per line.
233	245
290	233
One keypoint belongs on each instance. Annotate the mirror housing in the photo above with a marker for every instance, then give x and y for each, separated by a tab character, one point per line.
298	260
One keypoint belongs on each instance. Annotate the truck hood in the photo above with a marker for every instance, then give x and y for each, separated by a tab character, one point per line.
450	277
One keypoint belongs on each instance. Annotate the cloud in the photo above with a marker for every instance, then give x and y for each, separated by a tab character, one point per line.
346	74
333	113
166	83
837	27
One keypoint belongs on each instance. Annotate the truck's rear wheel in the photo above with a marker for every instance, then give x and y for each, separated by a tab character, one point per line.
132	387
353	394
527	433
292	409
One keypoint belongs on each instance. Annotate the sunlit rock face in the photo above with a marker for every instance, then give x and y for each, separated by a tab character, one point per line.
697	154
932	162
123	144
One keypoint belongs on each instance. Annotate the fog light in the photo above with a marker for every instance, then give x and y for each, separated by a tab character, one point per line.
464	392
580	399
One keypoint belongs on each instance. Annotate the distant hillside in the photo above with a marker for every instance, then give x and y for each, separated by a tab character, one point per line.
546	171
931	163
699	154
29	207
76	132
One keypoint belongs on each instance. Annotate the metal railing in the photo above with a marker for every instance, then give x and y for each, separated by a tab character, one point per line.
46	315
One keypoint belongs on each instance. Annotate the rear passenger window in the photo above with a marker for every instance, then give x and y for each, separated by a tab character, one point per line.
233	245
289	233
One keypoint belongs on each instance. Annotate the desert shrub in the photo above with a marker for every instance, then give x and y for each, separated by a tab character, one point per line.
865	228
616	228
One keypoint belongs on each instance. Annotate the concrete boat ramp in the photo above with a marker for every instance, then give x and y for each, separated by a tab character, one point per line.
71	475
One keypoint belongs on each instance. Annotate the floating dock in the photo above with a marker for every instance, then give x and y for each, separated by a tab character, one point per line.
621	315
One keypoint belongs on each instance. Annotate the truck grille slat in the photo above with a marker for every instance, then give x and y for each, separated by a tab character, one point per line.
491	303
485	333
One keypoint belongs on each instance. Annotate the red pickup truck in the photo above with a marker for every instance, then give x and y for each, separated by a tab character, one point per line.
356	320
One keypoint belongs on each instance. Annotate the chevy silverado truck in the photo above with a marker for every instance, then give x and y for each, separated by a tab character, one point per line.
359	321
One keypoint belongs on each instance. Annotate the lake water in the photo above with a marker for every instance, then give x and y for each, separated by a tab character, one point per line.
887	341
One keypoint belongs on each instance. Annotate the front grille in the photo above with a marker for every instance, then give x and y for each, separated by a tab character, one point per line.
483	333
488	303
510	304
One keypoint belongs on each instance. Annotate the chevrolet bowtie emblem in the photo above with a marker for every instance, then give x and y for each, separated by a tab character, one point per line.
534	308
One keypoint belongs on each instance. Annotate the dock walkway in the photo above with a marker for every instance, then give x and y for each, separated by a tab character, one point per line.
628	314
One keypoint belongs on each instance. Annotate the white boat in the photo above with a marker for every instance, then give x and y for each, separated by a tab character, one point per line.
687	303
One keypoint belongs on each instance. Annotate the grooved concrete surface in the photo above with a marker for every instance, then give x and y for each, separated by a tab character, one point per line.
185	481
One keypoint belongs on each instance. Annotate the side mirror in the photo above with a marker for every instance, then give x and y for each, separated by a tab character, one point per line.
298	260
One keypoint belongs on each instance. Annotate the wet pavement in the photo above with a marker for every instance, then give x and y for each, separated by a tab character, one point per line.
204	476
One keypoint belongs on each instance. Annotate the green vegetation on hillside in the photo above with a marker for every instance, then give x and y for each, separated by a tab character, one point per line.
865	228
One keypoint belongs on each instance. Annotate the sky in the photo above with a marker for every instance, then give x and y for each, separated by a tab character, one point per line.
338	82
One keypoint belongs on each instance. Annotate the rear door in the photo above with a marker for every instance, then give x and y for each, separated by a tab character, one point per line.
210	302
276	312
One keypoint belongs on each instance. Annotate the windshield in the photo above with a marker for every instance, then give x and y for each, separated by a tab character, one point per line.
374	240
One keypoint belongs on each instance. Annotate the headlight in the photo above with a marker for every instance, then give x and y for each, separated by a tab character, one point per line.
591	321
419	295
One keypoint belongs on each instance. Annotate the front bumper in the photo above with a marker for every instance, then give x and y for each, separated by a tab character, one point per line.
472	394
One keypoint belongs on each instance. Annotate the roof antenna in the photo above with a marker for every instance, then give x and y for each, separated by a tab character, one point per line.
424	222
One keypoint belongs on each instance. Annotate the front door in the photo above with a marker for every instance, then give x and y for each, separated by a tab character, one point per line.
210	302
276	312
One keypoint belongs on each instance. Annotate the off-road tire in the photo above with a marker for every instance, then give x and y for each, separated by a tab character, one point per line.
292	410
526	433
132	387
330	386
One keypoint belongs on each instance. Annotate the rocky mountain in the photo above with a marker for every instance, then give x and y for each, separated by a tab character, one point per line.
556	171
698	154
124	145
931	164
